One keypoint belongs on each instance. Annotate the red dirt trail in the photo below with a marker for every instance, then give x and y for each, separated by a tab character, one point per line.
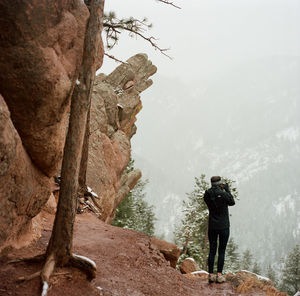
127	265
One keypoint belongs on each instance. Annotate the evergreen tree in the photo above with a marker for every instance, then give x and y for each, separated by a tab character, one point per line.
191	235
134	212
256	268
271	274
247	260
291	272
232	262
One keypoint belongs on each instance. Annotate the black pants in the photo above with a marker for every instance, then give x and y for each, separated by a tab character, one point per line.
213	235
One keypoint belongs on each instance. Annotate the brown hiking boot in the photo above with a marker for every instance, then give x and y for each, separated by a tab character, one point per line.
220	279
212	278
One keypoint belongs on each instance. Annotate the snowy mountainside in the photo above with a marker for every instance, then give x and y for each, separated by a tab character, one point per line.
243	124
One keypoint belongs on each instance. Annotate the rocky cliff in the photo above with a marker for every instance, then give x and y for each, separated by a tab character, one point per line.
115	103
40	51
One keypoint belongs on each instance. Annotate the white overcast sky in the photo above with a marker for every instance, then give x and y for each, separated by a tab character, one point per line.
206	36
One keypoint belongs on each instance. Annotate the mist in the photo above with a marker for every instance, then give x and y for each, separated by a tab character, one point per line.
227	104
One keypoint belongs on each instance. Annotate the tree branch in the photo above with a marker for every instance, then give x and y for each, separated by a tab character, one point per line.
169	3
116	60
112	29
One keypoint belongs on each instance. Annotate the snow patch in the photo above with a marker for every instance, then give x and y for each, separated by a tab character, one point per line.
289	134
286	202
200	272
92	192
85	259
45	288
259	277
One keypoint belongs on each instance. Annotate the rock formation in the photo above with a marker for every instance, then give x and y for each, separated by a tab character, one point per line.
41	48
188	265
115	103
170	251
40	51
248	282
23	188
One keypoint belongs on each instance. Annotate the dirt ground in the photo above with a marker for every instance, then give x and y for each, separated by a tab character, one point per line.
127	265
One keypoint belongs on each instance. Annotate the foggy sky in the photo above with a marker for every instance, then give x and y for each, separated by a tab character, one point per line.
207	36
219	106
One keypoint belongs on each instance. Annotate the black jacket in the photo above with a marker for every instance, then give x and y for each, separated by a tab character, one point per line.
217	201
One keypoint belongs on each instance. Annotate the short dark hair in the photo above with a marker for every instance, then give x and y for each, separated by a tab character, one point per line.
214	179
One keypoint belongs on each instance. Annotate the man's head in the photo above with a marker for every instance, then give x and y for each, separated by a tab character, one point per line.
216	180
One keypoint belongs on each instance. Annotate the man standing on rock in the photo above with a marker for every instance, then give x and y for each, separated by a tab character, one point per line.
218	198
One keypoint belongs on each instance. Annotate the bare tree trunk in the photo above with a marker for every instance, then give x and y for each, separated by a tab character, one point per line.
59	249
185	247
85	155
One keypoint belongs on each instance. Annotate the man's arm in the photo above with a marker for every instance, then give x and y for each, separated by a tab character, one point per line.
228	196
206	197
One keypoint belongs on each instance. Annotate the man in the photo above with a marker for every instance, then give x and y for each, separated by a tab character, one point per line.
217	198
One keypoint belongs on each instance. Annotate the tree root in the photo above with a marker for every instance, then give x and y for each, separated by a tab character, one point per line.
30	277
35	259
85	264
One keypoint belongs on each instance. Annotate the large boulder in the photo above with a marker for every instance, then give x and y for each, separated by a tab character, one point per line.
41	48
115	103
170	251
188	265
248	282
23	188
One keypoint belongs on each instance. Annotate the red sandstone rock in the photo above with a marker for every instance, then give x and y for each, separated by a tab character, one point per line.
40	51
115	103
248	282
188	265
23	188
170	251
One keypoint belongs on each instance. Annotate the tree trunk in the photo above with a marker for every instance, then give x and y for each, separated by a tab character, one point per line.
185	247
60	245
84	157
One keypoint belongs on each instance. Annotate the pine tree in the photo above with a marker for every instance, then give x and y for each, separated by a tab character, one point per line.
191	235
291	272
134	212
271	274
256	268
247	260
232	262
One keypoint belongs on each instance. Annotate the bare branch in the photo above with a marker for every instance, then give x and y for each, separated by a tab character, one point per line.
151	40
114	58
113	27
169	3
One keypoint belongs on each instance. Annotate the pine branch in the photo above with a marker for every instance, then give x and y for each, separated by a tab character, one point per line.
134	31
113	27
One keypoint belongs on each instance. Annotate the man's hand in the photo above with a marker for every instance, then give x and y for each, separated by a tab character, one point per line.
226	187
